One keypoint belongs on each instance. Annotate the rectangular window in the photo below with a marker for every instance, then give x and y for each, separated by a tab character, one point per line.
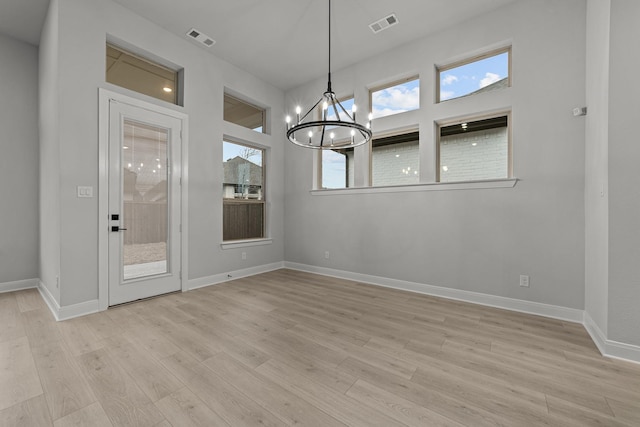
395	98
244	114
475	149
142	75
243	192
337	168
473	76
337	165
395	160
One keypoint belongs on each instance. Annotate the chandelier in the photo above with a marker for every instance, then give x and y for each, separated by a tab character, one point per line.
335	128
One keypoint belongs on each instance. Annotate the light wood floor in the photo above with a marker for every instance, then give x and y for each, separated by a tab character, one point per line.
287	348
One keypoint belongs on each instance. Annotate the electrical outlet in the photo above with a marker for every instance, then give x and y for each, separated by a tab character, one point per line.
524	281
244	255
326	254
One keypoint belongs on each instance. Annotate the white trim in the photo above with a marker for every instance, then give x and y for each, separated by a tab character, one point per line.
19	285
245	243
104	96
232	275
103	197
184	200
49	300
80	309
613	349
596	334
529	307
69	311
431	186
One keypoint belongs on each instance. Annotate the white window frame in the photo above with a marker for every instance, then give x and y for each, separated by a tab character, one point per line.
227	244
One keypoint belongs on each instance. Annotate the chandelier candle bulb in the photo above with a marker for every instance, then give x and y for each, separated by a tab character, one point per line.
298	111
288	120
353	111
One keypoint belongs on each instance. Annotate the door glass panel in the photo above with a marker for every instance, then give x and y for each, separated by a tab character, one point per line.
144	196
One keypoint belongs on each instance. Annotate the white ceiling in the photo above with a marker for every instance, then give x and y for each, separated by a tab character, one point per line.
283	42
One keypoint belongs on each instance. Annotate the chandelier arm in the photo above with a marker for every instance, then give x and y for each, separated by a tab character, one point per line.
311	109
322	138
345	111
335	110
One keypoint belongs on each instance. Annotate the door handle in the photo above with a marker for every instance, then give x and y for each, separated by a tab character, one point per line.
117	228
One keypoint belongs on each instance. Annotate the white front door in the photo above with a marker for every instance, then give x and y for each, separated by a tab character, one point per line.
144	202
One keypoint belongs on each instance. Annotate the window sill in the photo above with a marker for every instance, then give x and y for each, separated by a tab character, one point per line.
245	243
432	186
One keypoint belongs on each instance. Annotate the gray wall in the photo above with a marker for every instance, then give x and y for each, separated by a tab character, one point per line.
612	287
624	175
49	107
79	38
18	161
596	166
475	240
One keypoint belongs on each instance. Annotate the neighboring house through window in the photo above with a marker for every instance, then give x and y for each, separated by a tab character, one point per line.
474	149
243	192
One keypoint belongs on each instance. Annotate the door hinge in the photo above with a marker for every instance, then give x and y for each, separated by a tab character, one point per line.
180	274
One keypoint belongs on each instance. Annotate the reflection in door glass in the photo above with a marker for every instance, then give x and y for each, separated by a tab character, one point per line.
144	195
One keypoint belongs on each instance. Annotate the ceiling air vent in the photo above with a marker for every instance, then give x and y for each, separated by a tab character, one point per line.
201	37
384	23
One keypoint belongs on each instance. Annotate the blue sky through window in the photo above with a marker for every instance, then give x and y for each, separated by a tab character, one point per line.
396	99
468	78
334	164
334	169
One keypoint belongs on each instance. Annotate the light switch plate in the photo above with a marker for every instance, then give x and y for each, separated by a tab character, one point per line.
85	191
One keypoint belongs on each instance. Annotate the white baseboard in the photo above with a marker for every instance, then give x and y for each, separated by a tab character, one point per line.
68	311
609	348
49	299
232	275
540	309
18	285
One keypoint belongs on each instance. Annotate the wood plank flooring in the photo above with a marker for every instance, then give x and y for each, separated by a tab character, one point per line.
291	348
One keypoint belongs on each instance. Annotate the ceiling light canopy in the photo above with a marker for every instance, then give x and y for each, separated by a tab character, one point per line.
336	127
